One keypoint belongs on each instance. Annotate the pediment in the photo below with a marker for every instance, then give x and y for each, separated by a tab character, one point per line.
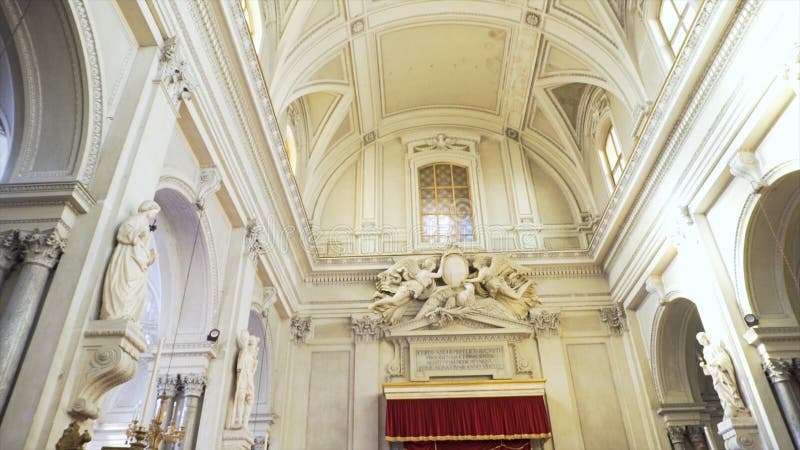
474	324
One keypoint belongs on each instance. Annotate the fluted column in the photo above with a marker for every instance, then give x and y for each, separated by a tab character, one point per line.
677	436
189	401
697	437
9	254
779	374
40	253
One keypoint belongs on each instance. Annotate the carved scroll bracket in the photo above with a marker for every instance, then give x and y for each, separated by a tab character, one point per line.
111	351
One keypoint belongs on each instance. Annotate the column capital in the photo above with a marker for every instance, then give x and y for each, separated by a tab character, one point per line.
367	327
41	247
697	437
167	386
614	318
9	249
545	323
677	434
777	369
300	329
193	384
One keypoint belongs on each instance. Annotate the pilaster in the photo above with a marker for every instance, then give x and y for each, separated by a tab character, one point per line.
366	378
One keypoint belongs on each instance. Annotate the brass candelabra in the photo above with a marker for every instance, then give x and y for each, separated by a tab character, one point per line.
139	437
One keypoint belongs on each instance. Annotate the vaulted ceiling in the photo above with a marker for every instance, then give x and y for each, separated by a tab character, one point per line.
358	71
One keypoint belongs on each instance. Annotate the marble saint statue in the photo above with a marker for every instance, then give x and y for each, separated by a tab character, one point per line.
125	285
718	365
246	365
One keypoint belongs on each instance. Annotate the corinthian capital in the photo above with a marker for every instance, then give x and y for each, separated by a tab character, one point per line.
9	249
41	247
193	384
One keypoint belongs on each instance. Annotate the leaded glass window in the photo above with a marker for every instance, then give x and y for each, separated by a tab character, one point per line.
445	204
676	17
612	157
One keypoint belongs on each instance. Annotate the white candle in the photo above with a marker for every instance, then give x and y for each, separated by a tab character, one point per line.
152	386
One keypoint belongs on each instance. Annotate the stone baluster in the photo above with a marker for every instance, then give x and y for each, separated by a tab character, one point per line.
9	253
697	437
677	437
189	405
779	374
40	254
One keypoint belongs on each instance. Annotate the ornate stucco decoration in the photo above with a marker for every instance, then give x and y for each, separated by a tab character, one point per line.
300	328
9	251
453	287
172	73
256	246
209	184
367	327
614	318
441	142
546	323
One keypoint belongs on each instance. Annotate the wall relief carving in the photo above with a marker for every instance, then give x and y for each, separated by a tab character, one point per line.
454	286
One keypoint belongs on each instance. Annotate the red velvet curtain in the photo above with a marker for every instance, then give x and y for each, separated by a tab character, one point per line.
468	445
467	419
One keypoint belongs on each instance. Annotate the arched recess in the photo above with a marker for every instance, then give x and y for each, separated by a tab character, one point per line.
52	92
770	261
179	307
685	395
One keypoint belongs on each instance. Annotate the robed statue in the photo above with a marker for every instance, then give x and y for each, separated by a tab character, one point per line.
246	365
125	285
717	364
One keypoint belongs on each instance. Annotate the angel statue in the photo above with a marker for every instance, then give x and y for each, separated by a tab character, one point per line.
246	365
717	363
495	278
125	285
412	283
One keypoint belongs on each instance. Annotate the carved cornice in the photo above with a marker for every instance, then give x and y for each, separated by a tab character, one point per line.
72	194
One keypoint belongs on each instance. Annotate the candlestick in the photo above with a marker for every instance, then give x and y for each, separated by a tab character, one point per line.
152	386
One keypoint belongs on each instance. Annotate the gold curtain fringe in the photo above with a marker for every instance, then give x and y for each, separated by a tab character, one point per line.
488	437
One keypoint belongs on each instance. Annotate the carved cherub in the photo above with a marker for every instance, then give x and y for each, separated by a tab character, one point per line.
412	283
505	282
72	438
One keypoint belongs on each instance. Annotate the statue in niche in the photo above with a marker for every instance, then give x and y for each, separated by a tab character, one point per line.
125	285
246	365
490	285
717	364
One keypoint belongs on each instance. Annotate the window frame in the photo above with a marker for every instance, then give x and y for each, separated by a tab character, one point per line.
682	23
453	214
419	155
609	134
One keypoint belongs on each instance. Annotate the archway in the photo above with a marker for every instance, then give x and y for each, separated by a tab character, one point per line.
688	403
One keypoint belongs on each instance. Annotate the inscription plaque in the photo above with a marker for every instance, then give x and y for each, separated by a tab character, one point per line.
455	361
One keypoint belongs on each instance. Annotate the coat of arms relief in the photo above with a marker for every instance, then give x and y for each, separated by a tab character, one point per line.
454	286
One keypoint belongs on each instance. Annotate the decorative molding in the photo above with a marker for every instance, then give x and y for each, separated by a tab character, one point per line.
172	73
72	194
512	133
744	165
614	318
357	26
96	87
546	323
256	247
209	184
300	328
521	364
366	328
533	19
442	142
654	284
370	137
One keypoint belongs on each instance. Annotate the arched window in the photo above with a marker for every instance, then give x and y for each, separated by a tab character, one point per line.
675	18
445	204
612	157
254	20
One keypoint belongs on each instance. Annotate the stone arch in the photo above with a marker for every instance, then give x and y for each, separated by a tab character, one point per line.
768	257
55	123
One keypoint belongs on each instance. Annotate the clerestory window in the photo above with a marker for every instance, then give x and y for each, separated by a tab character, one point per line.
445	204
675	18
613	159
254	20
